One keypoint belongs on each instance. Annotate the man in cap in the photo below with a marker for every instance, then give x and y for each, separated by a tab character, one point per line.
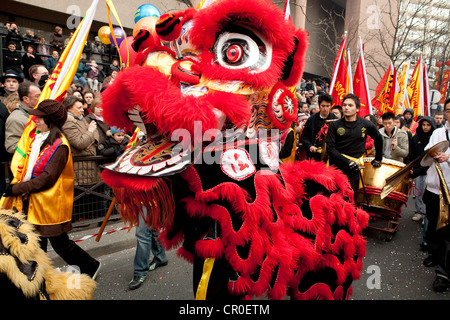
15	124
10	82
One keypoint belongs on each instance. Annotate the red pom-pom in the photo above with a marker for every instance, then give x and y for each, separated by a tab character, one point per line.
168	27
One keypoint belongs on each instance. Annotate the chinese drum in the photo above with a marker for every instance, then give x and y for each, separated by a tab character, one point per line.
375	179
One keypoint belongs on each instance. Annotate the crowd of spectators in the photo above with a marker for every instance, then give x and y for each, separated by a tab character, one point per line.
28	61
22	50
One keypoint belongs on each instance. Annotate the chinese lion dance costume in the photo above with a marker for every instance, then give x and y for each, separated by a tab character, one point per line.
211	88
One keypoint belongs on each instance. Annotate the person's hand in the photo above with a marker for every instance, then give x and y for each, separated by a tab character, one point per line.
92	126
375	163
442	157
8	191
313	149
394	144
353	165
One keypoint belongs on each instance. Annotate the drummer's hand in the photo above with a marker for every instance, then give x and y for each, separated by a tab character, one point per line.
313	149
353	165
394	143
442	157
375	163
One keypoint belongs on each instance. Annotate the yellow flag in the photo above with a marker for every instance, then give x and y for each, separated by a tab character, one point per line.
403	102
415	89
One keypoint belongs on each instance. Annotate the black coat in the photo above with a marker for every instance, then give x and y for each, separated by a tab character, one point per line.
111	148
15	37
27	62
12	60
3	116
418	144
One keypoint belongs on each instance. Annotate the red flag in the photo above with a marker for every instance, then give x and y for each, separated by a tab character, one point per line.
382	93
340	83
287	11
360	84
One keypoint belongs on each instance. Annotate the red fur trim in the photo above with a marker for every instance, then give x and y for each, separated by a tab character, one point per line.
235	107
299	58
209	248
120	180
164	105
186	255
171	243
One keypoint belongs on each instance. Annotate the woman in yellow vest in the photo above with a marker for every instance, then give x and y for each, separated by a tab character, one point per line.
47	188
288	145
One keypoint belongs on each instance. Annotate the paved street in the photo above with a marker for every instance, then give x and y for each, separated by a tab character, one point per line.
398	264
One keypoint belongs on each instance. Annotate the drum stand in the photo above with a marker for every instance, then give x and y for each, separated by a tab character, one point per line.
378	214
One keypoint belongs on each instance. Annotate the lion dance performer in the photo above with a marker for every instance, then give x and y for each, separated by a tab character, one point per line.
211	88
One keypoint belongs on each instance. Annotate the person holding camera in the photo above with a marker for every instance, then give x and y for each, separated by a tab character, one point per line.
14	36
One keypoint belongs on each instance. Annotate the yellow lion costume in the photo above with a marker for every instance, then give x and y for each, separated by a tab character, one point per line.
26	272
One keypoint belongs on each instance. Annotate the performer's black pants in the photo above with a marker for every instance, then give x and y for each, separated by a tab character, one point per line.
353	178
438	240
71	253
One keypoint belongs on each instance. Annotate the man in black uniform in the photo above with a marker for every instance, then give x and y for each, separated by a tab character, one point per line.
346	140
312	136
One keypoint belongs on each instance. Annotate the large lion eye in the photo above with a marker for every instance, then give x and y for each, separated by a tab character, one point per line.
239	47
234	53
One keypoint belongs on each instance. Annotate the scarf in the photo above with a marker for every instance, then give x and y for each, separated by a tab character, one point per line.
79	118
34	154
99	118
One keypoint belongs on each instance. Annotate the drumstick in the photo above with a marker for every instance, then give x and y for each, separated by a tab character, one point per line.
396	178
395	137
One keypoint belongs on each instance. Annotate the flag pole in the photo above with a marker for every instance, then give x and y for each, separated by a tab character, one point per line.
350	77
363	62
337	63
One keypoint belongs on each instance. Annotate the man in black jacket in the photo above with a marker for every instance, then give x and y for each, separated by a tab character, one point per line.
346	140
12	60
313	136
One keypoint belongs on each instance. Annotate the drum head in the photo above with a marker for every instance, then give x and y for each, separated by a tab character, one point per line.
428	159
